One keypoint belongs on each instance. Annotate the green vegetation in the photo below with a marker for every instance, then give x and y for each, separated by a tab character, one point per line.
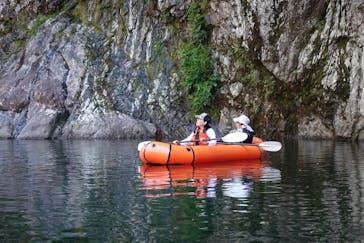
196	65
16	29
19	45
41	18
97	16
254	76
80	12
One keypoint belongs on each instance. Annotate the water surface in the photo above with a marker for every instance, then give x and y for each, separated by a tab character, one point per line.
100	191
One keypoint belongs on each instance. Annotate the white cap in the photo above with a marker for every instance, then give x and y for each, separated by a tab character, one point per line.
244	120
204	116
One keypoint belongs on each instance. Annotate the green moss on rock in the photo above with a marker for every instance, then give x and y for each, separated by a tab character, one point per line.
196	64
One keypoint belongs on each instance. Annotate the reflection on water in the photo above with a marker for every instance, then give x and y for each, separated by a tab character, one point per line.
235	178
311	191
238	187
62	190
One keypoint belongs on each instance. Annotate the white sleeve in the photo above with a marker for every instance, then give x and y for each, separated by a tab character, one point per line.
189	138
211	134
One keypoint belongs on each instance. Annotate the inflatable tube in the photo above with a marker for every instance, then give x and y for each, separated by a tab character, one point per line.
160	153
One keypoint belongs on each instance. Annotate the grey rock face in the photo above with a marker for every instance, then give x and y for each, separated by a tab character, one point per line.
72	82
109	69
317	44
6	128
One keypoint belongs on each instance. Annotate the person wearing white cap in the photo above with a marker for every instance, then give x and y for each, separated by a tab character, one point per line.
202	134
242	125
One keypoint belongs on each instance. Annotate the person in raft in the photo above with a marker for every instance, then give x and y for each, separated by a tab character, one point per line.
202	133
242	125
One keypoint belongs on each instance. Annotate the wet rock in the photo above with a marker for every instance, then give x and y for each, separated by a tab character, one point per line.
92	122
6	124
40	122
315	128
236	89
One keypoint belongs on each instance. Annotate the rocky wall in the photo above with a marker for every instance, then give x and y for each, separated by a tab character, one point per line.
110	69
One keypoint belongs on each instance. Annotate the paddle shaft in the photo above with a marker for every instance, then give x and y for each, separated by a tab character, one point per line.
230	138
193	141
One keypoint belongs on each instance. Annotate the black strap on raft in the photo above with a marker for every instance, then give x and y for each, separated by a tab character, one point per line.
193	160
169	154
189	149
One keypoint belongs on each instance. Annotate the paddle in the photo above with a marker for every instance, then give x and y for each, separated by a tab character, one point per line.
235	137
270	146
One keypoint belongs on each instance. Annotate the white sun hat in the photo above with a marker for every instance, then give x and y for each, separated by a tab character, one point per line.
244	120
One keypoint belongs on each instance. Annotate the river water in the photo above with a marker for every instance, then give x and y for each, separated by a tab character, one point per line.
310	191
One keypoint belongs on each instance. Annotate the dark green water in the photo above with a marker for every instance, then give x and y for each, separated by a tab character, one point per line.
97	191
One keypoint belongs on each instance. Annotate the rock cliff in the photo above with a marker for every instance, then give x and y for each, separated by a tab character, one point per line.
110	69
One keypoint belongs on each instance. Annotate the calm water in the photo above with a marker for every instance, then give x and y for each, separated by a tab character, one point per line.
311	191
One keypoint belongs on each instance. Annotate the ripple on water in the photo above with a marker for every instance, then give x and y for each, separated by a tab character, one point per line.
99	191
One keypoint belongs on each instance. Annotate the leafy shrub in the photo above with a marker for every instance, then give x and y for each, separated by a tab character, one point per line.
196	65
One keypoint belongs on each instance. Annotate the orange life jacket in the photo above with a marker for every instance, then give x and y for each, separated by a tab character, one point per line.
198	135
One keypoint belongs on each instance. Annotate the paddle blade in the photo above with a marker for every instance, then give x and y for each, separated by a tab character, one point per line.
142	144
235	137
271	146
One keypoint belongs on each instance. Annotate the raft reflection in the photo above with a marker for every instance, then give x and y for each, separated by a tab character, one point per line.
201	180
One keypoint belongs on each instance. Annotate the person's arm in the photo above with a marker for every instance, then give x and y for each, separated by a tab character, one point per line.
211	134
189	138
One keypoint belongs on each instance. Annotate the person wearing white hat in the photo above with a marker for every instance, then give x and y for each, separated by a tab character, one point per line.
242	125
202	134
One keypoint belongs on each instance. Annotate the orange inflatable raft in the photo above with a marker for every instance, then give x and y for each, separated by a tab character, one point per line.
160	153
